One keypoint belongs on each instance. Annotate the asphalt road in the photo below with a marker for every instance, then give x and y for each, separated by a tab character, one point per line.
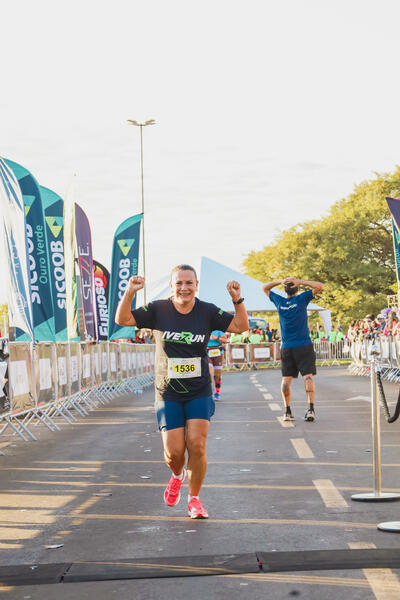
270	488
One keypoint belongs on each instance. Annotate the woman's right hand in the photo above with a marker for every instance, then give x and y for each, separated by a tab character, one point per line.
135	284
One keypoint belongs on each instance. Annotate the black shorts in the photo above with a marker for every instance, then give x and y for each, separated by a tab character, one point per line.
298	359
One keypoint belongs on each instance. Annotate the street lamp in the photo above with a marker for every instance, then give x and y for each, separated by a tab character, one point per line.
141	125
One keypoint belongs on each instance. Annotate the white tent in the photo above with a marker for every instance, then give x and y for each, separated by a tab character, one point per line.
213	279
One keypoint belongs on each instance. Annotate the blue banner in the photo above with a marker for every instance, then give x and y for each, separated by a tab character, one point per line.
394	207
396	246
53	207
19	304
124	265
38	267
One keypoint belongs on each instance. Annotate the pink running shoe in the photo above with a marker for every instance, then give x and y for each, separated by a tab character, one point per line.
172	493
197	510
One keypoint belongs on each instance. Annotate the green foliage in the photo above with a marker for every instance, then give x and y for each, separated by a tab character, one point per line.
350	250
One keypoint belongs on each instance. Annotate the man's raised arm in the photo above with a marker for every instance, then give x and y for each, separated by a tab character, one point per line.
267	287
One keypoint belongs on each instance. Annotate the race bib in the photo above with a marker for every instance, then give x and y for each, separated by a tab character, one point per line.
179	368
214	352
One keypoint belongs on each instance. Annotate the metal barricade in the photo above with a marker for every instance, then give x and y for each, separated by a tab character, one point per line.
45	372
260	353
54	383
236	356
113	366
22	389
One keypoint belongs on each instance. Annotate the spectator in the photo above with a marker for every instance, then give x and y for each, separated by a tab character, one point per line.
352	332
391	323
275	335
268	335
138	337
255	337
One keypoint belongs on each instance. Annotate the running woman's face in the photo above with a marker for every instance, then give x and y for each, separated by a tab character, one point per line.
184	286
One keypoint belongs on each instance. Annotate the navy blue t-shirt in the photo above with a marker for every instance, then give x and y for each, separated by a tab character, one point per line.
293	318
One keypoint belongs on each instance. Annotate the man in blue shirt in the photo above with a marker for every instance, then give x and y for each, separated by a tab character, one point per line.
297	351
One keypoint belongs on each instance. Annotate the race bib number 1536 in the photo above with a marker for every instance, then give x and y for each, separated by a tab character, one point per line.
179	368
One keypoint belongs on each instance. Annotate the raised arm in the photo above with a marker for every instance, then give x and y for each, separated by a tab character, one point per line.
123	315
316	286
267	287
240	321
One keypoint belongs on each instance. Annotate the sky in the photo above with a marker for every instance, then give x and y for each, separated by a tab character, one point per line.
266	114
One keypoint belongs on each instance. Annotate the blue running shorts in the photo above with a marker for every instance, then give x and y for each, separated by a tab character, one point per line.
173	414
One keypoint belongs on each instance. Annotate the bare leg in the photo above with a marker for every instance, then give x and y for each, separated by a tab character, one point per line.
196	442
217	379
285	390
211	369
174	449
310	388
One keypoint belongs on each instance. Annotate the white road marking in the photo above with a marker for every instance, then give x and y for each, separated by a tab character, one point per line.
384	583
302	448
268	397
366	398
274	406
329	493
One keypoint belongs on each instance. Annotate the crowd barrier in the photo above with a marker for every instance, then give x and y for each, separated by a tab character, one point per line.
389	357
245	356
67	380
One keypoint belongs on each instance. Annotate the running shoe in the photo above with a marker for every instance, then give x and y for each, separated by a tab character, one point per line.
196	509
216	396
310	415
288	416
172	493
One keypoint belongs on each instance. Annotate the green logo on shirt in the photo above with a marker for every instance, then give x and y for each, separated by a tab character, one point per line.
184	337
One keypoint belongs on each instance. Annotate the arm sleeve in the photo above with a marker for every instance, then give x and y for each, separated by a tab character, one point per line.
275	298
145	316
219	318
307	296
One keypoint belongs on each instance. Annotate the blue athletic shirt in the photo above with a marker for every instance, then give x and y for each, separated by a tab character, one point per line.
293	318
215	343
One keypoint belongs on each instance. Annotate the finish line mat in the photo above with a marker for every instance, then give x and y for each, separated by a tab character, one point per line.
196	566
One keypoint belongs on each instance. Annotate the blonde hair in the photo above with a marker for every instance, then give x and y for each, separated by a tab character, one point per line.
183	268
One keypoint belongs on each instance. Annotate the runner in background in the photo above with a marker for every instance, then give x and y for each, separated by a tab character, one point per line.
184	403
297	352
215	351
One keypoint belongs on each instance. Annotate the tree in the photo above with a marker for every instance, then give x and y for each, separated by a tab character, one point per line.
3	317
350	250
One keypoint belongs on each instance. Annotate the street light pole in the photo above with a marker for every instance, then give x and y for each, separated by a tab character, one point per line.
141	125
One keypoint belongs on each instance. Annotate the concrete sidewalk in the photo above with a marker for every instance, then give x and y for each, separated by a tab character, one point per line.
270	487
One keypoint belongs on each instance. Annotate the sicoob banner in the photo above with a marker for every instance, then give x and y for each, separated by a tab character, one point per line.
123	266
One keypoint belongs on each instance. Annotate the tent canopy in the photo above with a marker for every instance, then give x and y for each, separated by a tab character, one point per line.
213	279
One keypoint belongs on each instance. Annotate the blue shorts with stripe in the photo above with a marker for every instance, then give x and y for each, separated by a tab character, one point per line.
173	414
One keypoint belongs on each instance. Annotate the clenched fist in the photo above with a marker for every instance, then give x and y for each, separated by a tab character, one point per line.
135	284
233	288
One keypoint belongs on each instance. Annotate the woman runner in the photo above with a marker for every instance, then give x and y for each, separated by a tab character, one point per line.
184	403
